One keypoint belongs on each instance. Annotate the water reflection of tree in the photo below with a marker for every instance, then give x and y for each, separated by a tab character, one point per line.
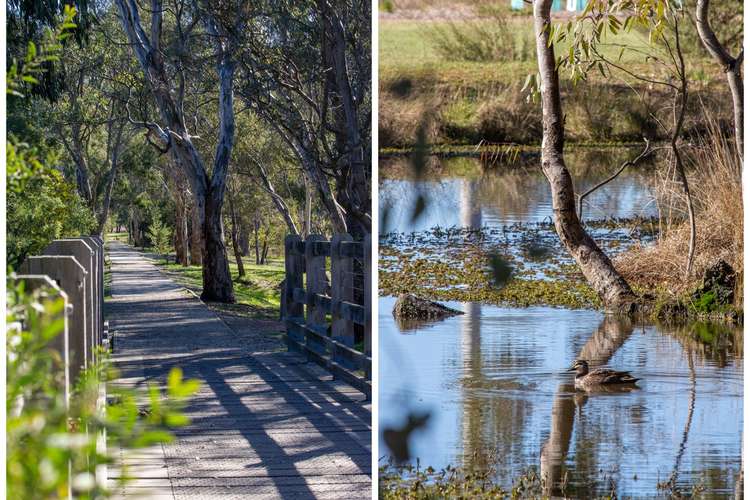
601	346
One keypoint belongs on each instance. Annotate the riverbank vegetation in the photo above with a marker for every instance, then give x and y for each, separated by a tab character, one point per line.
450	61
630	84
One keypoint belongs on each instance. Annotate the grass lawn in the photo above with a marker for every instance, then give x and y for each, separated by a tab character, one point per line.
468	101
408	48
258	289
123	237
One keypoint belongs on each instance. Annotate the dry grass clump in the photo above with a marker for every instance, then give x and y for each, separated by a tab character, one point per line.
509	118
399	119
716	187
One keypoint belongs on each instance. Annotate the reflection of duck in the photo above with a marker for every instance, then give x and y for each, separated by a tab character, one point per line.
600	377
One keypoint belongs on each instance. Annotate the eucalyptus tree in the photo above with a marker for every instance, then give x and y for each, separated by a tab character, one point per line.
307	75
167	61
89	118
598	269
732	66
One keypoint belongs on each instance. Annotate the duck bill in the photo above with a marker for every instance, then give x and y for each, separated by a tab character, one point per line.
571	369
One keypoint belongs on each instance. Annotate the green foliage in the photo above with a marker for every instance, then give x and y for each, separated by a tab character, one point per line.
604	23
410	482
51	446
41	204
160	236
386	6
25	73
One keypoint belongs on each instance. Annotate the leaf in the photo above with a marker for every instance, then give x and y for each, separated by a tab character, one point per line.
526	82
31	51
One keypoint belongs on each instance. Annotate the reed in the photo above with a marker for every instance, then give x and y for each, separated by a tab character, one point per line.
716	186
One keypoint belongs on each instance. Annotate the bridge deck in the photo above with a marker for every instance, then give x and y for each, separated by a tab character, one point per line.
265	423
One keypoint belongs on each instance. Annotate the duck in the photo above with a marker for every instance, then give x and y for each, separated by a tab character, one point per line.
600	377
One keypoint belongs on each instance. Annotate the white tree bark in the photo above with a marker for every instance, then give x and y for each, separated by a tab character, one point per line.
732	67
596	267
208	191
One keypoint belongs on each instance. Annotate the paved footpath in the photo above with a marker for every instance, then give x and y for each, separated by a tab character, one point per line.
263	425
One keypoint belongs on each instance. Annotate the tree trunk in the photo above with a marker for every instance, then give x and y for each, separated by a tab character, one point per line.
104	213
264	252
196	237
235	239
257	243
732	67
181	231
217	280
613	290
244	239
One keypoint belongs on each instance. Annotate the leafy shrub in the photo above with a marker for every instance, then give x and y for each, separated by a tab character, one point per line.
160	236
492	37
52	448
41	204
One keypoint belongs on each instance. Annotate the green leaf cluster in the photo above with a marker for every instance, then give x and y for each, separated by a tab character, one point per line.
52	443
41	204
21	74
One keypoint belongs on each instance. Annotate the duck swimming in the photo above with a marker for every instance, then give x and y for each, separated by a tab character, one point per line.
599	377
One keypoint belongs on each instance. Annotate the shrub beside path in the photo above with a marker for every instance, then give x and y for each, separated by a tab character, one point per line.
264	424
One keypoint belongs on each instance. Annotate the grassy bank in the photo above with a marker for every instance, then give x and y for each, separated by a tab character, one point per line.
465	98
257	293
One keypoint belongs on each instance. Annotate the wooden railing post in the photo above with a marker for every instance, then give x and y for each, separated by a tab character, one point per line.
367	269
294	266
342	290
315	271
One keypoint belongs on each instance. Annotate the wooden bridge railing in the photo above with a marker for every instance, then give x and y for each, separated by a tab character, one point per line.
320	313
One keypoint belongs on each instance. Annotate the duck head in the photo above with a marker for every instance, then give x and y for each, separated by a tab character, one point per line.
581	367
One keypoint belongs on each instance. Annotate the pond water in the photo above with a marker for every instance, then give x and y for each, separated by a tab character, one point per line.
464	195
494	380
494	383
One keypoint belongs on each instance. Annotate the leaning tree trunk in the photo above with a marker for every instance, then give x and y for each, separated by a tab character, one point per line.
196	236
732	67
596	267
181	231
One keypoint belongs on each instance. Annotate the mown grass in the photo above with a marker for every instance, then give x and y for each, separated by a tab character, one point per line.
466	101
121	237
258	289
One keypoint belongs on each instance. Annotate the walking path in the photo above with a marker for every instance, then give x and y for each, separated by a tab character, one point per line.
265	424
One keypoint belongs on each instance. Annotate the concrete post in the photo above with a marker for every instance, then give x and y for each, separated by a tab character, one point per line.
72	278
60	343
96	243
86	256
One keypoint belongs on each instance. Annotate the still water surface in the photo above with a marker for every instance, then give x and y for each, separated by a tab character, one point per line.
508	196
494	383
